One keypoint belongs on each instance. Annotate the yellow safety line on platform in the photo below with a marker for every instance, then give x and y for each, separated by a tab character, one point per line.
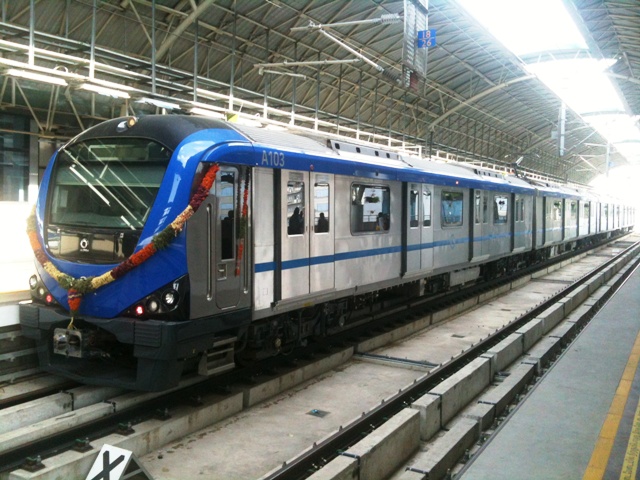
630	464
602	451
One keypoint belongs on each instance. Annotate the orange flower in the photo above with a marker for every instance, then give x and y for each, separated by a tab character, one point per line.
34	241
143	255
74	298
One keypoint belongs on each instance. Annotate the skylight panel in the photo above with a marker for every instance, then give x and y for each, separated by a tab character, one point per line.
581	83
526	27
616	128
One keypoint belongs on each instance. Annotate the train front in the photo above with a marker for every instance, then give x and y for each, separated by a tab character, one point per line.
110	297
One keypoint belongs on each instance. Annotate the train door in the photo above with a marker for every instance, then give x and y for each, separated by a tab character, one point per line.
426	252
216	273
321	237
228	211
294	234
413	230
481	230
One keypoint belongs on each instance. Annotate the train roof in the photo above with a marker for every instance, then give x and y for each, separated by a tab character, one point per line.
330	154
373	161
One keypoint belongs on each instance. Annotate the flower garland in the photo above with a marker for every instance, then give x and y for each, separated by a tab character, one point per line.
77	287
242	227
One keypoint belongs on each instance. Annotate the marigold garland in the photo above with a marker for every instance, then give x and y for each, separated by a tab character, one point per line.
78	287
242	225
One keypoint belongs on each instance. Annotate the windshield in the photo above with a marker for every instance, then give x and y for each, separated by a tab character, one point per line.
107	183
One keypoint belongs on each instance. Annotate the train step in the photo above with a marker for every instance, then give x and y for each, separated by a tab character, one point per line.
218	358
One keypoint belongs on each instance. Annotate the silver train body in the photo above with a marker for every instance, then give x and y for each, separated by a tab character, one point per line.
331	229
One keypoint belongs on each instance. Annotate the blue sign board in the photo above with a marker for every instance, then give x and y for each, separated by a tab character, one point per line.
426	38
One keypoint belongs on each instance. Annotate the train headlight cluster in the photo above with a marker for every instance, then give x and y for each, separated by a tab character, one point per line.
39	291
164	303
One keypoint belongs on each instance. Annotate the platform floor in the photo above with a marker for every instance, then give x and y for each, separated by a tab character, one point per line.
582	420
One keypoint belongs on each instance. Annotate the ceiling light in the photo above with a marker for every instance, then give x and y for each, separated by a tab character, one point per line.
275	128
247	122
160	103
14	72
206	113
110	92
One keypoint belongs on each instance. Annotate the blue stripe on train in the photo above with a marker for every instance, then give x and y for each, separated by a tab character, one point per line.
320	260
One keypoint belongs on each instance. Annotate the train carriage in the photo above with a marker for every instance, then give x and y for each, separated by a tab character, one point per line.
168	244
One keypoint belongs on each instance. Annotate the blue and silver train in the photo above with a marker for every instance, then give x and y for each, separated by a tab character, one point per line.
168	244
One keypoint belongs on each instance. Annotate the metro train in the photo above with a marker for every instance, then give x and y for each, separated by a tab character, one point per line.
169	244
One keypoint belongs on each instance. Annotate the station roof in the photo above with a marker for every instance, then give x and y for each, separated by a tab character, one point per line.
477	103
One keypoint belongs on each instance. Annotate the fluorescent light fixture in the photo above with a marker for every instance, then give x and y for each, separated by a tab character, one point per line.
108	84
210	94
14	72
109	92
237	117
206	113
275	128
159	103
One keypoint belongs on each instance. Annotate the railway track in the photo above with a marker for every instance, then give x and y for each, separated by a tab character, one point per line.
222	397
21	380
422	394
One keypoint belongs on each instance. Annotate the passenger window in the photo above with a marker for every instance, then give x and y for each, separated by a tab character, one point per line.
370	208
426	208
500	209
226	198
321	207
485	208
481	207
413	207
519	210
452	209
574	210
557	210
295	208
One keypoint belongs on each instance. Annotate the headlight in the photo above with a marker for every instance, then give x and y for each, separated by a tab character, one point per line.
153	305
170	298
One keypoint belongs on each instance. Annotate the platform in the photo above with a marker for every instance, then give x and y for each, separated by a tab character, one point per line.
582	420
